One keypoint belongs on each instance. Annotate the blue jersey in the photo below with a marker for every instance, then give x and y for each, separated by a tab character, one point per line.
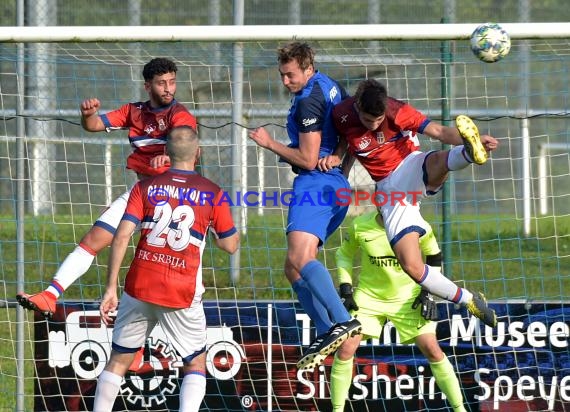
311	112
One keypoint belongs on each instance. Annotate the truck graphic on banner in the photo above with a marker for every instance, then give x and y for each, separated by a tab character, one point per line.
520	366
85	346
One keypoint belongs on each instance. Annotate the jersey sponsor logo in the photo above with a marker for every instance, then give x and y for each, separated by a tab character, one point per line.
333	93
173	261
384	261
308	122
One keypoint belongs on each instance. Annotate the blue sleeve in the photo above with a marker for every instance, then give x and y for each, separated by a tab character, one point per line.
423	125
131	218
311	111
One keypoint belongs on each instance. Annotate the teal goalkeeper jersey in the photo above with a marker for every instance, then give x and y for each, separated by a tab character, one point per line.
381	276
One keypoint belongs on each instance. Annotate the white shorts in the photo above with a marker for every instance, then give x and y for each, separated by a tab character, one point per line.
398	198
111	217
185	329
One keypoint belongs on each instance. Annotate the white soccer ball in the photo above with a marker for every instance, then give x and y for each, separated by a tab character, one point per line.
490	42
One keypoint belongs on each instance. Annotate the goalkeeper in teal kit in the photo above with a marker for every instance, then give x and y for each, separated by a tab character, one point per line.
385	292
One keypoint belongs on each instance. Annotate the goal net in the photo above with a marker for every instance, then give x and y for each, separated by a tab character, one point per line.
504	227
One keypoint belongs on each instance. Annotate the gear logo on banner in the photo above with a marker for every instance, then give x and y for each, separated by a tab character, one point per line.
155	378
85	345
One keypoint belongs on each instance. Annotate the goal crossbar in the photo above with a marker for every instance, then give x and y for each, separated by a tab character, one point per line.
65	177
49	34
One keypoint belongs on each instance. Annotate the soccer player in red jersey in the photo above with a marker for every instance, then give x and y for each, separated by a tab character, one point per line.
381	132
175	211
148	123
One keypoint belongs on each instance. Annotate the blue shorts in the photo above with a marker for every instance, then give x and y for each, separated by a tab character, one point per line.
316	207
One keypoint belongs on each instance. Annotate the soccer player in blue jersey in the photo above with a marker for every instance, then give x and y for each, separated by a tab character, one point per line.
311	222
385	292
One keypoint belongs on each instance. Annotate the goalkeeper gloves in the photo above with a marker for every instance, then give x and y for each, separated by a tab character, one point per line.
429	307
345	291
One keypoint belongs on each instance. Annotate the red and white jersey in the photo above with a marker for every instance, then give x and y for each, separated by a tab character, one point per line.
175	211
148	128
380	151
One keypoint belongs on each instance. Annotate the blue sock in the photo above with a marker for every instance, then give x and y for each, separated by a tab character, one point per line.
322	287
316	311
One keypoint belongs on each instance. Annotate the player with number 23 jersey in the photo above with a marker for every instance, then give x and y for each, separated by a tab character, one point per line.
175	211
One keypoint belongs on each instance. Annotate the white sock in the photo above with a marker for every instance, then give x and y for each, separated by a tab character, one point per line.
108	385
457	158
437	284
192	392
74	265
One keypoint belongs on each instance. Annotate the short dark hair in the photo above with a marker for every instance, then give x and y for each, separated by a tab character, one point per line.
182	143
157	67
371	97
302	53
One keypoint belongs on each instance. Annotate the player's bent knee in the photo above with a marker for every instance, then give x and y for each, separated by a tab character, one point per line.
119	362
430	348
97	239
195	362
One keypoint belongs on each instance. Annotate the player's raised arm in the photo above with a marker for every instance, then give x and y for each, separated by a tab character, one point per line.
90	119
305	156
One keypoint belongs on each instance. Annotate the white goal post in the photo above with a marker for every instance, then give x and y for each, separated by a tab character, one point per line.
491	201
521	31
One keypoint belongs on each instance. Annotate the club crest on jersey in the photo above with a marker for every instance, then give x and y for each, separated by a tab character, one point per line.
364	143
161	125
380	137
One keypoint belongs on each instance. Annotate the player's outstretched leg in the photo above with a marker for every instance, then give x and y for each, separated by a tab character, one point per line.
74	265
471	140
78	261
328	343
478	307
43	302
